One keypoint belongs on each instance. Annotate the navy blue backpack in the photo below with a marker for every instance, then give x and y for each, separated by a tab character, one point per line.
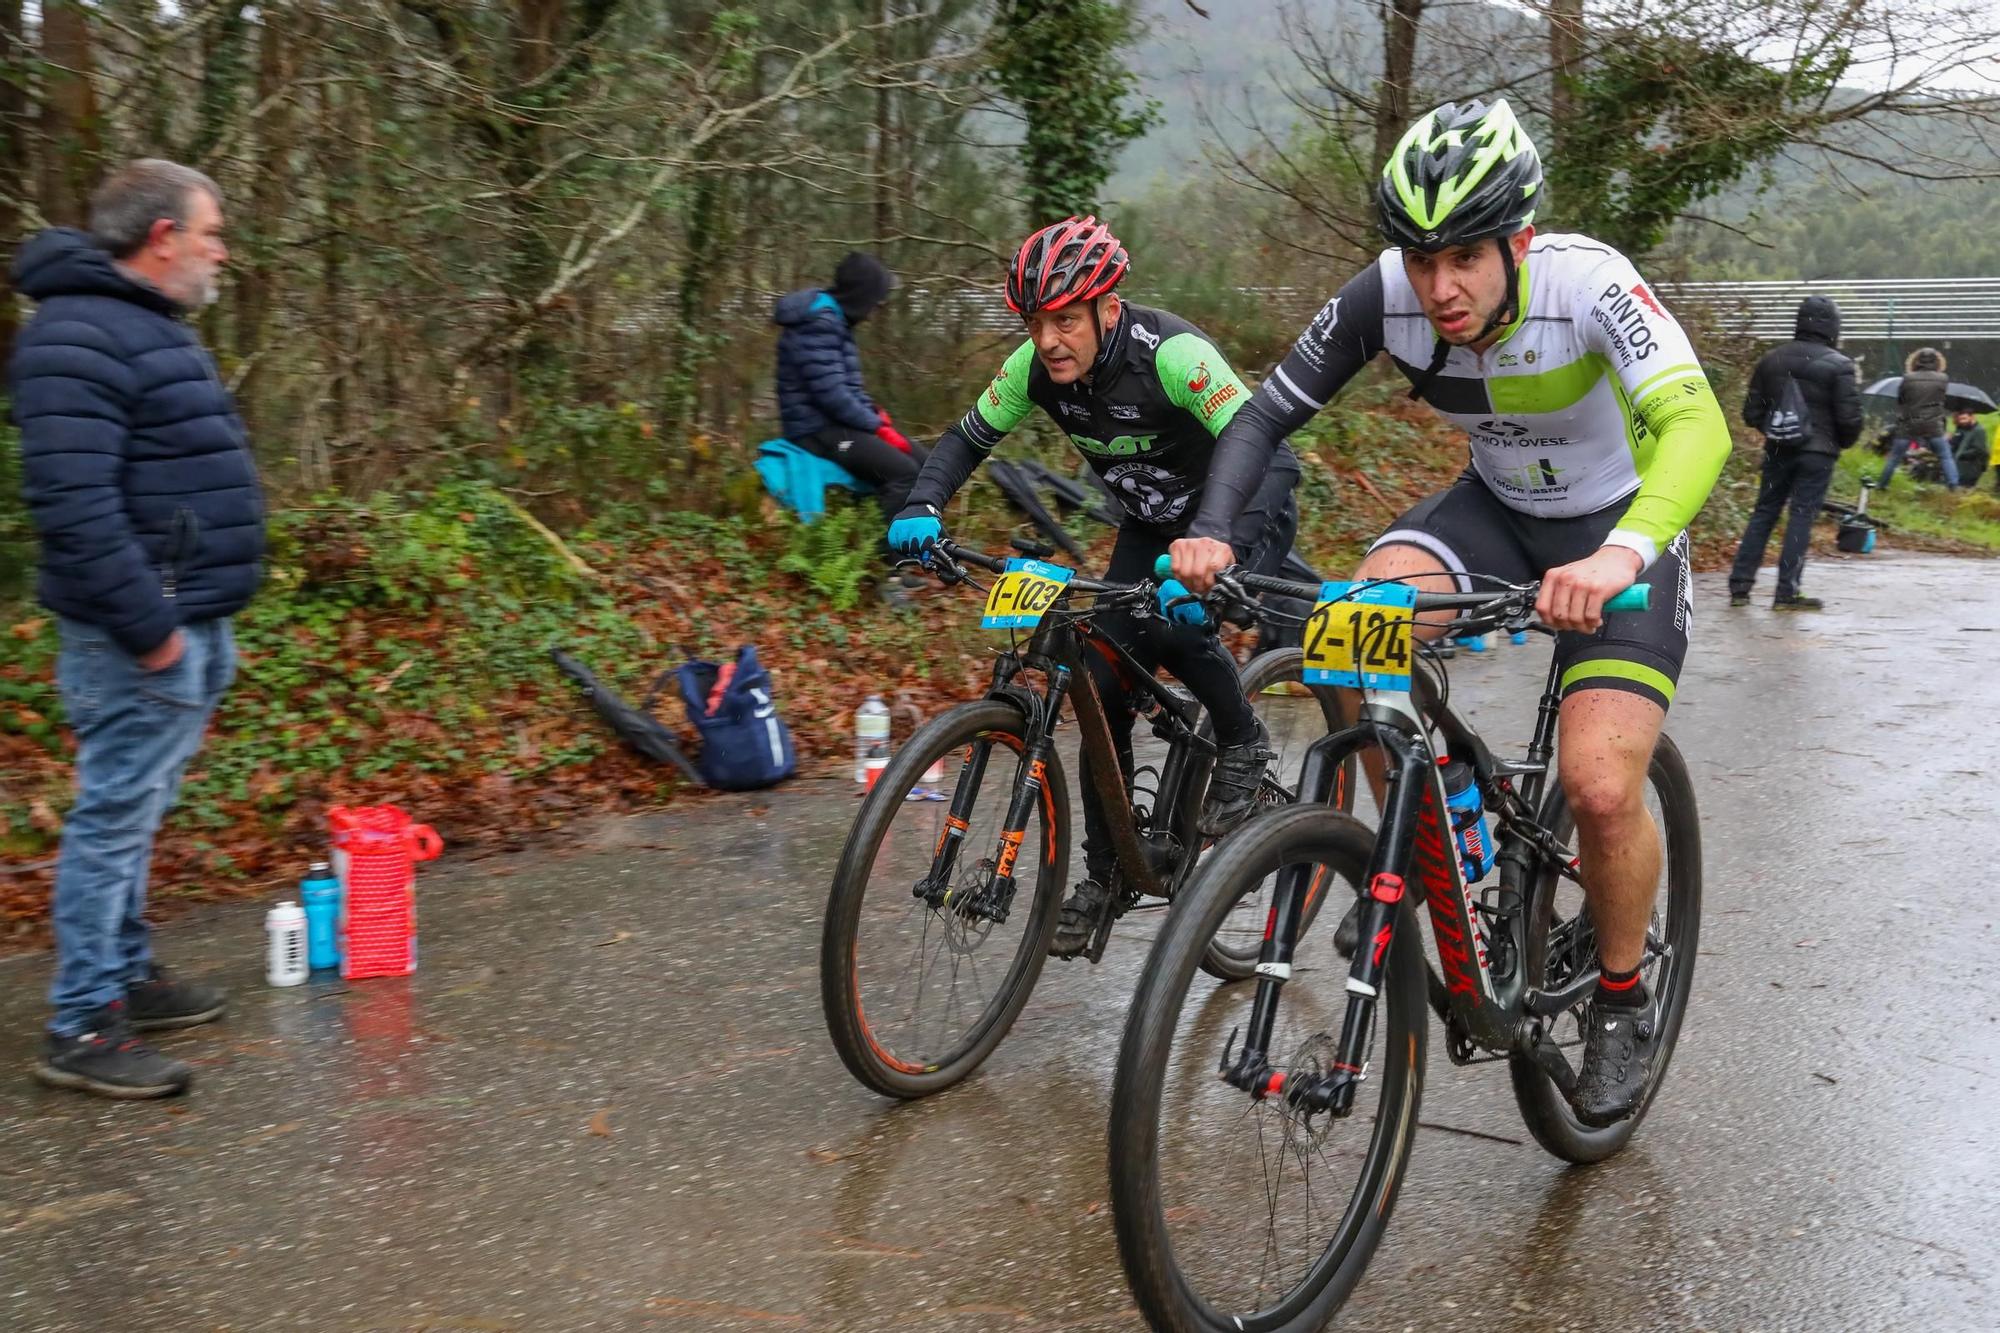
744	743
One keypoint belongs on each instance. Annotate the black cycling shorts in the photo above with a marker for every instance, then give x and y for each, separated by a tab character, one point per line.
1472	532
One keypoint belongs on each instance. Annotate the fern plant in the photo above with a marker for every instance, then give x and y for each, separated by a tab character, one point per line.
837	555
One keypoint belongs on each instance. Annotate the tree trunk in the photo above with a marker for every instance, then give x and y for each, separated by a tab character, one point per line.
335	166
13	158
269	189
1402	22
221	80
1565	52
70	149
887	323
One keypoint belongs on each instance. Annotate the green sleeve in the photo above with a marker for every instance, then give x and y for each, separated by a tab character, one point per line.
1004	403
1691	444
1198	379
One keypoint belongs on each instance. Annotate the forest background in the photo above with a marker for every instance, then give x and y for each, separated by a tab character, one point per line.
497	313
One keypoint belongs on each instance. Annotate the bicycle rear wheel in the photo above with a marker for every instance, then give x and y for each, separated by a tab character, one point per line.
1295	715
1236	1213
1561	943
921	975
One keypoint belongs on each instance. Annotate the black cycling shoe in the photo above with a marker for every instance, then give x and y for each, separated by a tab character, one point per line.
1079	918
1618	1049
161	1002
1232	786
1798	604
1739	599
110	1062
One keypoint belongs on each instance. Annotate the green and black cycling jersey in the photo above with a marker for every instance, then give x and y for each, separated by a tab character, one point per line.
1146	418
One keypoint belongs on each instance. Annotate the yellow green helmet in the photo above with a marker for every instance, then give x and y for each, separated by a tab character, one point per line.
1464	172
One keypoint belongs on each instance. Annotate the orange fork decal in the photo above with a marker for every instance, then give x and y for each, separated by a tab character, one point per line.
952	824
1010	848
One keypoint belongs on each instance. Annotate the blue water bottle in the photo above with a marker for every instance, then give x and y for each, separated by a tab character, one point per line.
320	892
1468	819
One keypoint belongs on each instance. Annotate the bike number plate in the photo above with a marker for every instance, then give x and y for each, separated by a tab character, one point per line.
1359	637
1022	593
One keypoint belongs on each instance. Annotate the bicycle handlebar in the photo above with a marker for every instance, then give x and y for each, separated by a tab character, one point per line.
956	553
1638	597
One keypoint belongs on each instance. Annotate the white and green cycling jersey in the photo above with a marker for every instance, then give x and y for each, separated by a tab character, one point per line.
1591	398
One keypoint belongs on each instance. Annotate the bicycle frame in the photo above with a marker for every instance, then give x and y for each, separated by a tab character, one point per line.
1415	851
1056	649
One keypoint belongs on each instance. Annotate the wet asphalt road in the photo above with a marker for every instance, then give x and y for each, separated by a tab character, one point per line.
608	1100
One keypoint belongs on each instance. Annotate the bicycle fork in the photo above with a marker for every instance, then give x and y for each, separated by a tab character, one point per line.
995	898
1332	1089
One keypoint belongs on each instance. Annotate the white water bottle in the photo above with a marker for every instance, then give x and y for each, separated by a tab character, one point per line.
871	736
285	945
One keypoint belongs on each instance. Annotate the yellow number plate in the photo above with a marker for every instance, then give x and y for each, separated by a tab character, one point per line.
1360	637
1019	596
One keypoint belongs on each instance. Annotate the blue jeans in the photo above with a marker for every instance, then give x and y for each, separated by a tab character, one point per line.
1900	445
135	732
1796	480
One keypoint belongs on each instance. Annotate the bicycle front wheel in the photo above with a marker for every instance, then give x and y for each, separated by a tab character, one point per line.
925	962
1236	1212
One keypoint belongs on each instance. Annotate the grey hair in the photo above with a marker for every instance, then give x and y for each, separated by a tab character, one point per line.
137	195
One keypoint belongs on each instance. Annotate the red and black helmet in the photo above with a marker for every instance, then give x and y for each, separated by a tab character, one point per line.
1077	259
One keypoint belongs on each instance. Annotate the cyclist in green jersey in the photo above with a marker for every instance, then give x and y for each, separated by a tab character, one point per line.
1142	394
1594	439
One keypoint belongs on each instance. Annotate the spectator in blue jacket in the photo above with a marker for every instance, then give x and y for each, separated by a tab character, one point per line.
138	475
821	401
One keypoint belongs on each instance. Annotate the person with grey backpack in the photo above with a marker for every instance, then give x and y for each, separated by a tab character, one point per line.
1805	398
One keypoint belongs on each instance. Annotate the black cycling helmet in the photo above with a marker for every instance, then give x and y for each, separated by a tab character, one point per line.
1465	172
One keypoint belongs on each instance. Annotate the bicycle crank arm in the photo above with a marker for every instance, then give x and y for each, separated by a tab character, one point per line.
1541	1048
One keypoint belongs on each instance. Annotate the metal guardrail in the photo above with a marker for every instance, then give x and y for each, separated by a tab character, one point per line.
1897	309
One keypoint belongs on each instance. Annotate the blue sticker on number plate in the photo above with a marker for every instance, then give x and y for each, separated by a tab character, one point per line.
1022	593
1359	637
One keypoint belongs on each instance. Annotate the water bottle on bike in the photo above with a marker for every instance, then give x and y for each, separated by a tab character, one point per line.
1468	819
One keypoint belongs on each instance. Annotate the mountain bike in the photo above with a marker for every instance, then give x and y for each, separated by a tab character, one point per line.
942	909
1257	1142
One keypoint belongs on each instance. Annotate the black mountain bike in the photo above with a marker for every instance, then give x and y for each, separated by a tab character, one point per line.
949	888
1257	1142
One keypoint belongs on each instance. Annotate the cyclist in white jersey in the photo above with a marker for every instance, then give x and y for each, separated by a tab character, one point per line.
1595	439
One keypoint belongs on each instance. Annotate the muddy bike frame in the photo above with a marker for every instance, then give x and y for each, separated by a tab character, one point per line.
1055	648
1480	989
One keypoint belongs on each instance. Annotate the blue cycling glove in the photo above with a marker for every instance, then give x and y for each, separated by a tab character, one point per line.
1187	613
914	530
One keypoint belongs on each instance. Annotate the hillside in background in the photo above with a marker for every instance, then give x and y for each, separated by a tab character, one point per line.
1230	80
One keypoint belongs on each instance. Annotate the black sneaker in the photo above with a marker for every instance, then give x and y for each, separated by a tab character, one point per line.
1739	599
1232	787
1798	604
161	1002
110	1062
1618	1048
1079	918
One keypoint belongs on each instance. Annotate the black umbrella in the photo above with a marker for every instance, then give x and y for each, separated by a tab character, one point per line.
1958	397
637	727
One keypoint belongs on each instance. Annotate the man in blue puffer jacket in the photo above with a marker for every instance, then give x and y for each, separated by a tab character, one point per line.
138	474
821	401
